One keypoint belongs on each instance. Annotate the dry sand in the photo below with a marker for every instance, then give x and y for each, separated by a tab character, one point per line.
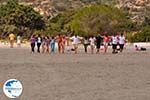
125	76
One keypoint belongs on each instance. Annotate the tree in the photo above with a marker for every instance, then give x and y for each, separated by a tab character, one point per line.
18	18
57	24
98	18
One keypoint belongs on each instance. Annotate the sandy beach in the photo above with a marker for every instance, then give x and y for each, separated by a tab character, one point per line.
124	76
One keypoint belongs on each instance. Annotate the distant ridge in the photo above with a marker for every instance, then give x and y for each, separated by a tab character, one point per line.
136	8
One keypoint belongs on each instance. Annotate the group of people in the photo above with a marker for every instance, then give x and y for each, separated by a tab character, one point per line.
47	44
105	40
12	39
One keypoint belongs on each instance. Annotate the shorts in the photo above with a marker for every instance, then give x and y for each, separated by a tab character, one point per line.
75	46
105	43
121	46
98	46
92	45
143	49
114	46
18	41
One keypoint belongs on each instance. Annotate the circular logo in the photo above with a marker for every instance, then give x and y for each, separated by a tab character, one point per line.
12	88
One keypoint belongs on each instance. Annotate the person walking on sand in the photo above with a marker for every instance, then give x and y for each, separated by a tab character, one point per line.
47	41
92	43
105	42
39	41
121	42
59	42
118	41
32	43
19	41
86	43
114	44
63	43
99	40
11	40
43	44
75	41
68	44
52	44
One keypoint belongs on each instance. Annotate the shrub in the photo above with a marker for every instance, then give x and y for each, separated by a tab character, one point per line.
142	36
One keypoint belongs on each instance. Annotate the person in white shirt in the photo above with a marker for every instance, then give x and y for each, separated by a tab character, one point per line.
92	43
114	44
75	41
121	42
19	41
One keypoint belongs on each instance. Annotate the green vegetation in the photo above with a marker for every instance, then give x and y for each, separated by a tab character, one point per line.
142	36
88	20
57	24
99	18
19	19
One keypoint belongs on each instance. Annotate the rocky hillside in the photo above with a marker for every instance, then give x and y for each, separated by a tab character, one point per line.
53	7
136	8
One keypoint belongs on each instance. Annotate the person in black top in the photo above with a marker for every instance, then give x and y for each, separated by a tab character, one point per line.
86	43
99	40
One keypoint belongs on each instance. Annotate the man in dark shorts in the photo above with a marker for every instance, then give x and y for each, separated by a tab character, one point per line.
99	40
121	42
114	44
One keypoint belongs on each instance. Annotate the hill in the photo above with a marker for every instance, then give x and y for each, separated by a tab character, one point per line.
137	9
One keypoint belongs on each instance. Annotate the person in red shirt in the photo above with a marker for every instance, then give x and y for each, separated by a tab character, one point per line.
59	41
105	42
63	43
